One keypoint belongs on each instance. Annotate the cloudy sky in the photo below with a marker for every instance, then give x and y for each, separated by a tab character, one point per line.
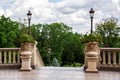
74	13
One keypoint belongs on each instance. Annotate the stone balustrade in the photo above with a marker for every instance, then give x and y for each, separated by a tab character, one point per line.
109	58
11	58
10	55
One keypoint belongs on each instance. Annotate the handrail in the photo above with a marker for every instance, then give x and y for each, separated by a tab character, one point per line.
10	49
110	49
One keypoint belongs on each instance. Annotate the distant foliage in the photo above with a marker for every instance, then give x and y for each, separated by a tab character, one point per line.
109	31
9	32
65	45
74	64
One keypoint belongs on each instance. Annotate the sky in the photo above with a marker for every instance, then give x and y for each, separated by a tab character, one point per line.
74	13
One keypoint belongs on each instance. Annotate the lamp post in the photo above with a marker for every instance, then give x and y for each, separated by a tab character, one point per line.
29	14
91	17
49	52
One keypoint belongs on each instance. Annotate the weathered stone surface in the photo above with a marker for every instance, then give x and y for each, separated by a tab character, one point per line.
26	61
57	73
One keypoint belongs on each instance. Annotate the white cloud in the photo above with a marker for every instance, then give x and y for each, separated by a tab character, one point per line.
74	13
1	11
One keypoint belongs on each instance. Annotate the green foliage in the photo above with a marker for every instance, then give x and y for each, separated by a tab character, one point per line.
74	64
109	32
48	36
73	49
9	32
92	38
25	38
65	45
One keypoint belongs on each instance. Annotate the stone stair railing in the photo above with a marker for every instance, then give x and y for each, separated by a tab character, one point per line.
39	61
109	59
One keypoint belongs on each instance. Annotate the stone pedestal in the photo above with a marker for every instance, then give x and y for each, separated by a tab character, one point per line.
26	60
91	64
91	56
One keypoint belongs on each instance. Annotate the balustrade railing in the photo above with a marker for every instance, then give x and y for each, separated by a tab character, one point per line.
109	58
10	55
11	58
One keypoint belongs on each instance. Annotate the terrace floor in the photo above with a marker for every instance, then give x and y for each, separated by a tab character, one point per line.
57	73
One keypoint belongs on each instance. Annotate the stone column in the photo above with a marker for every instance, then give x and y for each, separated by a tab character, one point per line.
26	60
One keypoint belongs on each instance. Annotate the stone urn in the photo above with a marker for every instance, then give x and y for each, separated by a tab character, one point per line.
26	46
26	56
91	49
91	56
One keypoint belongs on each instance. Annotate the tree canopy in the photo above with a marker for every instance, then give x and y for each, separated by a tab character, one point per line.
64	44
9	31
109	32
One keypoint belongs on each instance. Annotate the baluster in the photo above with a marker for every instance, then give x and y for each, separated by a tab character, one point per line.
5	57
109	59
14	58
0	57
104	59
119	59
99	61
114	59
18	57
9	58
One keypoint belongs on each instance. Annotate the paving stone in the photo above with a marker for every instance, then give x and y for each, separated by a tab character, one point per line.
57	73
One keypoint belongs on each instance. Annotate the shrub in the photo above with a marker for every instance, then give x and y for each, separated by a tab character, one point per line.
92	38
76	64
24	38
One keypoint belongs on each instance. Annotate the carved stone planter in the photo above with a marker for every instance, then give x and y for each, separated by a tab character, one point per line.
91	56
26	46
26	55
91	46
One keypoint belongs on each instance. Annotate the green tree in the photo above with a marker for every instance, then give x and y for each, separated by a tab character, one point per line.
56	38
73	49
109	32
9	32
65	45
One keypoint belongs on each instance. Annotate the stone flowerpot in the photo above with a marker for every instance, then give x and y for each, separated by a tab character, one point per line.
26	55
26	46
91	56
91	46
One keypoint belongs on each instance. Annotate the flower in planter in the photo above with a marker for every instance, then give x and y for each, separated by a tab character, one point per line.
25	38
91	42
92	38
27	42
